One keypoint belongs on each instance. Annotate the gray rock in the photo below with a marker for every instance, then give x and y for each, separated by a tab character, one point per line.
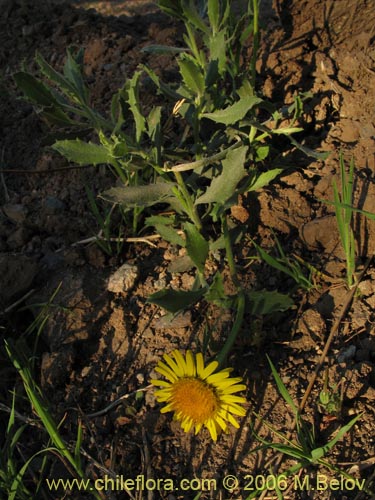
123	279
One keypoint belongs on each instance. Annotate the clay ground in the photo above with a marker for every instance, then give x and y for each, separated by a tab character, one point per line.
98	345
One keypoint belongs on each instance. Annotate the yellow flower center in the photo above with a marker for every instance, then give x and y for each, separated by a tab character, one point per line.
195	399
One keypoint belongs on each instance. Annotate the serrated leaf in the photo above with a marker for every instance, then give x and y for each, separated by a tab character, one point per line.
175	300
234	113
218	51
192	75
56	77
83	153
34	89
265	302
193	16
225	184
196	246
38	93
138	196
132	98
73	72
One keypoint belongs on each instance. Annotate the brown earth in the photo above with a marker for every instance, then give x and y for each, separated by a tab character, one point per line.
101	342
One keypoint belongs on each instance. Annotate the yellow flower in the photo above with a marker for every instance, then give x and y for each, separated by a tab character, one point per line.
198	396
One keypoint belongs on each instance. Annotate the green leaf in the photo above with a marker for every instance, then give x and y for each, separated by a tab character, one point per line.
83	153
265	302
307	151
39	94
166	89
65	85
193	16
340	434
132	89
264	179
163	49
261	152
192	75
196	246
73	72
213	8
170	234
282	389
164	226
218	51
225	184
175	300
138	196
234	113
34	89
216	293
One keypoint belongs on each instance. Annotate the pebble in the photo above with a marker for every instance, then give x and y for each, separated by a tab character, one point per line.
123	279
18	238
346	354
53	205
16	212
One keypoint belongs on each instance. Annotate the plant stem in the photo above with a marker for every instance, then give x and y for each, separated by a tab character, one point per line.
229	252
191	208
241	301
255	42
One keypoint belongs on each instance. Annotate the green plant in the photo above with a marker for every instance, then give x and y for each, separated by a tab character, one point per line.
288	265
344	209
200	175
11	476
344	217
304	450
331	397
72	459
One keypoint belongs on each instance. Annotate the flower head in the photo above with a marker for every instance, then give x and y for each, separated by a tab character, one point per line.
198	396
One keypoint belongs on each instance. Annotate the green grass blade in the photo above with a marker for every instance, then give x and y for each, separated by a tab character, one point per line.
282	389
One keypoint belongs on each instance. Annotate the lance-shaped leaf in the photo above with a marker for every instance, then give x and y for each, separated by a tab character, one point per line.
65	85
83	153
130	93
225	184
164	226
234	113
73	72
176	300
163	49
196	246
138	196
263	179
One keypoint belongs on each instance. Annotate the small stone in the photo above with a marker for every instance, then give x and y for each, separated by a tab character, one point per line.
123	279
18	239
346	354
53	205
16	212
140	378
